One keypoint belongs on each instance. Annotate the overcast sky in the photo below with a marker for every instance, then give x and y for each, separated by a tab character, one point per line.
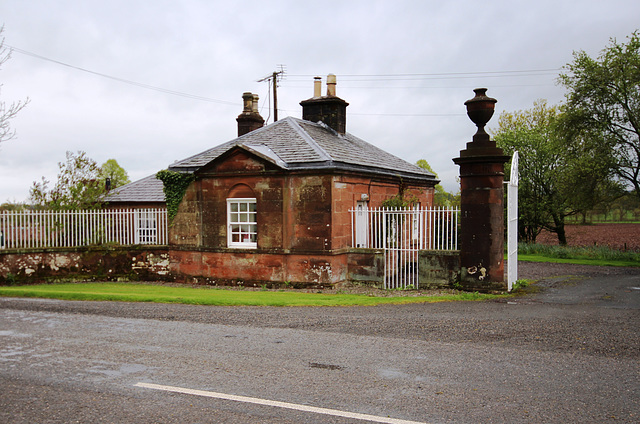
405	67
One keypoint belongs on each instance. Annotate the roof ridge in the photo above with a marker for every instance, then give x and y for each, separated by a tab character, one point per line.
305	135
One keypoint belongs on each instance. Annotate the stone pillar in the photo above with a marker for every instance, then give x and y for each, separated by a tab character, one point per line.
482	211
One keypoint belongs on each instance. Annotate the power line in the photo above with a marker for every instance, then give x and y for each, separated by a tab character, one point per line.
126	81
276	76
443	75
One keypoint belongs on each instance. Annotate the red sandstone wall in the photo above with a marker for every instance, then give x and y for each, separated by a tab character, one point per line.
303	222
256	268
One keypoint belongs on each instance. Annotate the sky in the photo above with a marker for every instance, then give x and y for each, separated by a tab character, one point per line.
151	82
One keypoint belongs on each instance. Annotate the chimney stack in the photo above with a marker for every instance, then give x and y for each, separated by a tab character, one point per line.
250	118
330	109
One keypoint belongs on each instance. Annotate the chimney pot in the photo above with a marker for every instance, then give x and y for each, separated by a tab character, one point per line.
255	99
248	102
331	85
317	86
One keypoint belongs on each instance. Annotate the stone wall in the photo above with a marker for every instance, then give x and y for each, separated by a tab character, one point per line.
437	269
259	267
143	263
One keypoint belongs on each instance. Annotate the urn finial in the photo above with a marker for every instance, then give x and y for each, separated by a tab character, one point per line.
480	110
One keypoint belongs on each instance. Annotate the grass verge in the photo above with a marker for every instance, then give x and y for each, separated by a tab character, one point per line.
596	255
127	292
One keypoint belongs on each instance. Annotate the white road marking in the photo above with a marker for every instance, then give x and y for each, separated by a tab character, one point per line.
277	404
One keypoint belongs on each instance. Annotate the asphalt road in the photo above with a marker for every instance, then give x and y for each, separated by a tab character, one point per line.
570	353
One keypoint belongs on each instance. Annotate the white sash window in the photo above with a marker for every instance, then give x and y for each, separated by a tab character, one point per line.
242	225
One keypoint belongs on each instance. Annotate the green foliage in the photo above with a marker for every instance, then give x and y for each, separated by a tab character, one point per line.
520	285
78	186
116	174
11	280
441	198
399	201
12	206
561	172
603	100
595	255
422	163
175	186
625	208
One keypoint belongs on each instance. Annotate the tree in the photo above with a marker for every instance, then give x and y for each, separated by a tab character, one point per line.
7	112
78	187
114	172
603	98
561	172
441	197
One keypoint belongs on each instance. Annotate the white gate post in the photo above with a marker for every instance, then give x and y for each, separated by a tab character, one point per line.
512	223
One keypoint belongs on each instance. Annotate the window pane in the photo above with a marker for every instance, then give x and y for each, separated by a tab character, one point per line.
241	220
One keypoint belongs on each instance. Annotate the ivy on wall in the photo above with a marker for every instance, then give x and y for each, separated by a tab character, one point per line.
399	201
175	186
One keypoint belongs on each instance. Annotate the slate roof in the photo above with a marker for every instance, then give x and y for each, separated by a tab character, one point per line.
148	189
293	143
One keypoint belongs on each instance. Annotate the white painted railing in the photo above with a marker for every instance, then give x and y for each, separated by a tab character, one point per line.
46	228
424	229
402	233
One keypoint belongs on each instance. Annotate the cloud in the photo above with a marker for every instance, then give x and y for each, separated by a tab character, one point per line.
219	50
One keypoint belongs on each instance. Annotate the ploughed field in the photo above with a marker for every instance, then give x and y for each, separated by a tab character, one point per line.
615	236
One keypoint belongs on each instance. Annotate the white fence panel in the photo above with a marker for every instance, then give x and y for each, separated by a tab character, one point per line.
402	233
46	228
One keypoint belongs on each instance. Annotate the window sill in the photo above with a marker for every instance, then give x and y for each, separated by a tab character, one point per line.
243	246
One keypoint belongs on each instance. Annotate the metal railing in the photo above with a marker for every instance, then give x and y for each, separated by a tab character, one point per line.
73	228
422	228
402	233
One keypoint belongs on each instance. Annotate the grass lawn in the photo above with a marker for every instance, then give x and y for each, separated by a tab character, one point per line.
577	261
132	292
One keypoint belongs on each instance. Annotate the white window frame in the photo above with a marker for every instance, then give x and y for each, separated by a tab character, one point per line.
239	223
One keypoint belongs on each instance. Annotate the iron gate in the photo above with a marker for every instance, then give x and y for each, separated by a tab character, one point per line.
402	233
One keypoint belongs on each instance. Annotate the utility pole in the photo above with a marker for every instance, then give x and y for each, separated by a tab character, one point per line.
275	96
274	78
